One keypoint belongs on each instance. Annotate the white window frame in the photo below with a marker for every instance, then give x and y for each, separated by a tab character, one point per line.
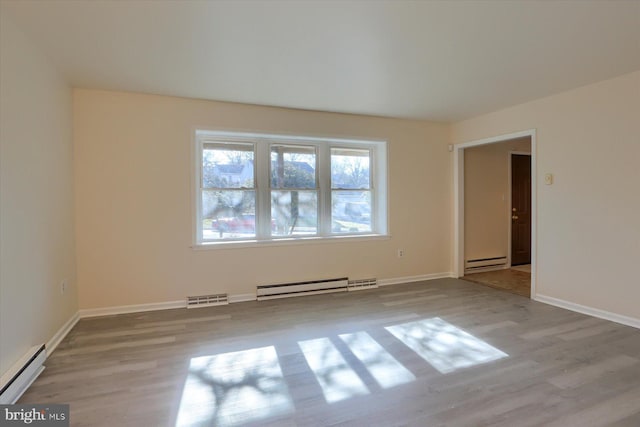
262	184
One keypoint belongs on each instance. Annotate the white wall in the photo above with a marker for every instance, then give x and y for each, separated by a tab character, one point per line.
134	209
36	199
487	197
588	232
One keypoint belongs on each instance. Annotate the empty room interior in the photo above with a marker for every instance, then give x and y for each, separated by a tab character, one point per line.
282	213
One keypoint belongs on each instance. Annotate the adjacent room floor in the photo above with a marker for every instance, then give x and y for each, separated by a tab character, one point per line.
443	352
516	280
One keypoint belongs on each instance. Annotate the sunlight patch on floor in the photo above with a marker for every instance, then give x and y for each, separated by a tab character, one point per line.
336	378
234	388
382	366
443	345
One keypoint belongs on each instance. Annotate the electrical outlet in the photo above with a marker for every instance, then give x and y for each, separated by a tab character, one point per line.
400	253
63	286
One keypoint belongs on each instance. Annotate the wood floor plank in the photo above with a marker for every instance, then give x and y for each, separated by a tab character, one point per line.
405	293
493	326
183	321
118	345
591	372
129	332
414	300
559	329
587	332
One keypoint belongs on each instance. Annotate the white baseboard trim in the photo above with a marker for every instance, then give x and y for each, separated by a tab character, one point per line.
241	298
52	344
410	279
590	311
135	308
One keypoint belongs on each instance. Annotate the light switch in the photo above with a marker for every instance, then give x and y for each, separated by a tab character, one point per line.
548	178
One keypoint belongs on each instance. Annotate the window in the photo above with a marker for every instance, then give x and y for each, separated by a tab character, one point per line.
350	190
228	191
294	190
260	188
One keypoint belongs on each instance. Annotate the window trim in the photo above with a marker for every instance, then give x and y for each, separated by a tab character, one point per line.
262	143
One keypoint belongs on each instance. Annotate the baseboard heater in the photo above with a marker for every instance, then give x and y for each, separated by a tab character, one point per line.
485	264
21	375
312	287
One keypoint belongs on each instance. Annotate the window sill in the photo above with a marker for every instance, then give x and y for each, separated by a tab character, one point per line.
287	242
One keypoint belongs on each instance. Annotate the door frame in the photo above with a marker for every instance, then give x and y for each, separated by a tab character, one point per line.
458	201
509	202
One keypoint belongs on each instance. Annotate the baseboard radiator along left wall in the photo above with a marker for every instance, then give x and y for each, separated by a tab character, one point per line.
22	374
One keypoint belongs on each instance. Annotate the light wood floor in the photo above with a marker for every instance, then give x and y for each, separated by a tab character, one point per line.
489	358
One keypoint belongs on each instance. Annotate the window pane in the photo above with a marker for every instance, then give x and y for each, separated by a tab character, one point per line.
294	213
293	166
227	166
350	168
228	214
350	211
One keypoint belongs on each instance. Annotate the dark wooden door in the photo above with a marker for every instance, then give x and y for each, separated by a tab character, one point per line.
520	209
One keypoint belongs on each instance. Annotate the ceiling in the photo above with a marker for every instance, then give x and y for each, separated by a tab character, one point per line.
431	60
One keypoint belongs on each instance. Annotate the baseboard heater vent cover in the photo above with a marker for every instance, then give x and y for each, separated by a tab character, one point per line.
485	264
312	287
361	284
21	375
207	300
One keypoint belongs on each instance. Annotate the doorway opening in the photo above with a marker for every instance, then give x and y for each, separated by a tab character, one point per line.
494	212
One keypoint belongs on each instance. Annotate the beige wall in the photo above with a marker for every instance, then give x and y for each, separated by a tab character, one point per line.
487	196
36	198
134	210
588	233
